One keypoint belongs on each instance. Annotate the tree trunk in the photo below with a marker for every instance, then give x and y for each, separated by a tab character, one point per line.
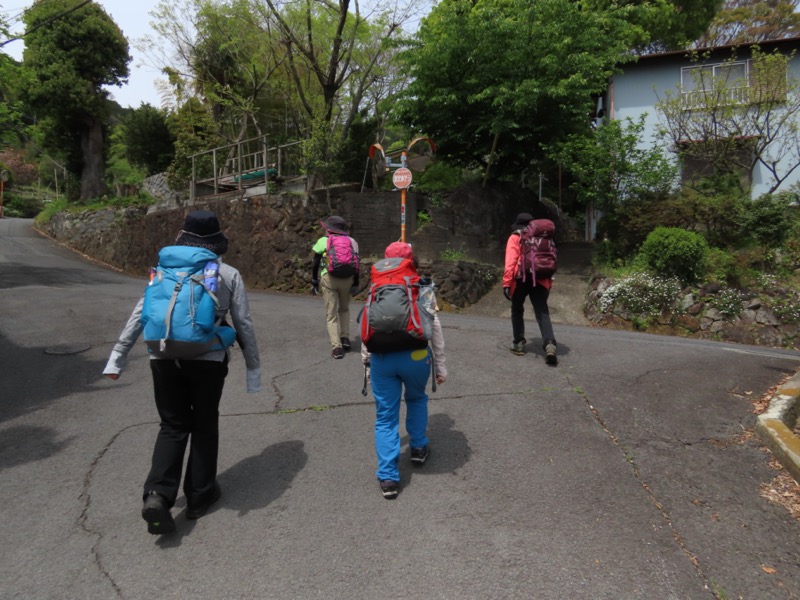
92	184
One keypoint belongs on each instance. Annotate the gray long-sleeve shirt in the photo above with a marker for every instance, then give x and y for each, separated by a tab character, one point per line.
232	298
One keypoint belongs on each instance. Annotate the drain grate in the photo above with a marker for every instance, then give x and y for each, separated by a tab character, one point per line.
67	349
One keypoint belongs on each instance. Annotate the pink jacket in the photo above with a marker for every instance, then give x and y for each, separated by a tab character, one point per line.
511	272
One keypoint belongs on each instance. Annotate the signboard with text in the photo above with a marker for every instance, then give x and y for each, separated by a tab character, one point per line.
401	178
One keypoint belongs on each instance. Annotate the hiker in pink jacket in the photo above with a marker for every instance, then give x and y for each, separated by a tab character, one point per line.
517	288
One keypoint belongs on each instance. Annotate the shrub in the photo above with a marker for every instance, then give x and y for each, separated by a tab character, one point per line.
724	268
641	294
437	177
787	309
454	254
770	219
728	301
25	206
671	252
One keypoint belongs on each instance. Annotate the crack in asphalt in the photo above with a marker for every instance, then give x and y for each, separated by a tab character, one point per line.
676	536
82	520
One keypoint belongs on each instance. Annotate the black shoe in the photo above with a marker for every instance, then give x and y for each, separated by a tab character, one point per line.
195	512
390	489
346	344
337	352
550	356
420	455
156	512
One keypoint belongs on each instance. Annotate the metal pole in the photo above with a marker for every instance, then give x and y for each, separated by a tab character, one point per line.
403	161
403	215
364	181
214	161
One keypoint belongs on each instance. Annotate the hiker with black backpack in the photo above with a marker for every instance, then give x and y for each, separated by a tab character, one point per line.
182	319
401	346
530	263
335	268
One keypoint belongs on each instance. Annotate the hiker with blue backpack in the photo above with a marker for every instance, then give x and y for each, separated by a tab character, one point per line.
335	268
530	263
182	319
401	346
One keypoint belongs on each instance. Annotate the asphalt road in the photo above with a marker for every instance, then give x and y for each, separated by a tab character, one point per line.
624	473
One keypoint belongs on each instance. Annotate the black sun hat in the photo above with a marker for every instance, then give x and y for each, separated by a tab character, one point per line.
201	229
522	220
335	224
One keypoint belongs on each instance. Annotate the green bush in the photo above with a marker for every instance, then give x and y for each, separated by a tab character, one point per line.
770	219
723	267
23	206
672	252
438	176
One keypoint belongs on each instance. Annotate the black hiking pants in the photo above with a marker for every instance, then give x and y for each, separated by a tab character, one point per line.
187	394
538	295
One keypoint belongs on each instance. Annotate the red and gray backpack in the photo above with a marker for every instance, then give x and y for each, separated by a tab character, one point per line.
343	259
395	316
537	252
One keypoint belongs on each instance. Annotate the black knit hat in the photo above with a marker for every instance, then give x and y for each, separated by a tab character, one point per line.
201	229
522	220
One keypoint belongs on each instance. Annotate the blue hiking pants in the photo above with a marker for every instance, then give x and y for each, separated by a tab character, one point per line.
389	372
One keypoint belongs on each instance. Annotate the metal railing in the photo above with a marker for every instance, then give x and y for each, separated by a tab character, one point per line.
700	99
244	164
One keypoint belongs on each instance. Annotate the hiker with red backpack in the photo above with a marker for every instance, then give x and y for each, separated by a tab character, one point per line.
335	268
530	263
401	346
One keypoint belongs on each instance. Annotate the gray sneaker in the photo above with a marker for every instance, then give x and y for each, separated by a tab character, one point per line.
518	348
550	356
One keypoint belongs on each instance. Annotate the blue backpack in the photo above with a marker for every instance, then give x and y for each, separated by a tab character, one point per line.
179	310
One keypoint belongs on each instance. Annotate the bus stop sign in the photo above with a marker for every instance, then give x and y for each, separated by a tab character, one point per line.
401	178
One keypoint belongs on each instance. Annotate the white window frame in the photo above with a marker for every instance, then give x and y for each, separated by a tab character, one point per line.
736	94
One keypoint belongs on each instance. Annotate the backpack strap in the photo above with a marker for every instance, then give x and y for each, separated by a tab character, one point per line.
433	367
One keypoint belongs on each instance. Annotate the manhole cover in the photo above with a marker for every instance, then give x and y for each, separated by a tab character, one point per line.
67	349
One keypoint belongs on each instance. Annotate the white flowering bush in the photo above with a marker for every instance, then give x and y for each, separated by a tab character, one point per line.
641	294
728	301
787	309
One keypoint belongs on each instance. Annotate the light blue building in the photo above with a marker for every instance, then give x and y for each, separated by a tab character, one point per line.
644	83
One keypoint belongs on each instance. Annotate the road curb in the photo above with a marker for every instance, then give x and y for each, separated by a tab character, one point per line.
775	426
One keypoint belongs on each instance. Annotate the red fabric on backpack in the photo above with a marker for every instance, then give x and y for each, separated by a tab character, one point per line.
538	253
392	318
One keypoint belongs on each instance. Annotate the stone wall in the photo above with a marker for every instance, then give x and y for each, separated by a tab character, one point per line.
696	316
270	239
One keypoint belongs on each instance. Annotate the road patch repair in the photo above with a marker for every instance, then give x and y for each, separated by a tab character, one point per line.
777	424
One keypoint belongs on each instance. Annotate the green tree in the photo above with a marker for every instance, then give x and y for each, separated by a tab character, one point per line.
612	169
71	55
669	24
148	141
222	55
334	54
195	131
11	110
494	80
735	123
751	22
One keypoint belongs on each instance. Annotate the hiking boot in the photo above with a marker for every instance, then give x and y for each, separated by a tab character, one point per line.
518	348
195	512
156	512
337	352
419	455
390	489
346	344
550	356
